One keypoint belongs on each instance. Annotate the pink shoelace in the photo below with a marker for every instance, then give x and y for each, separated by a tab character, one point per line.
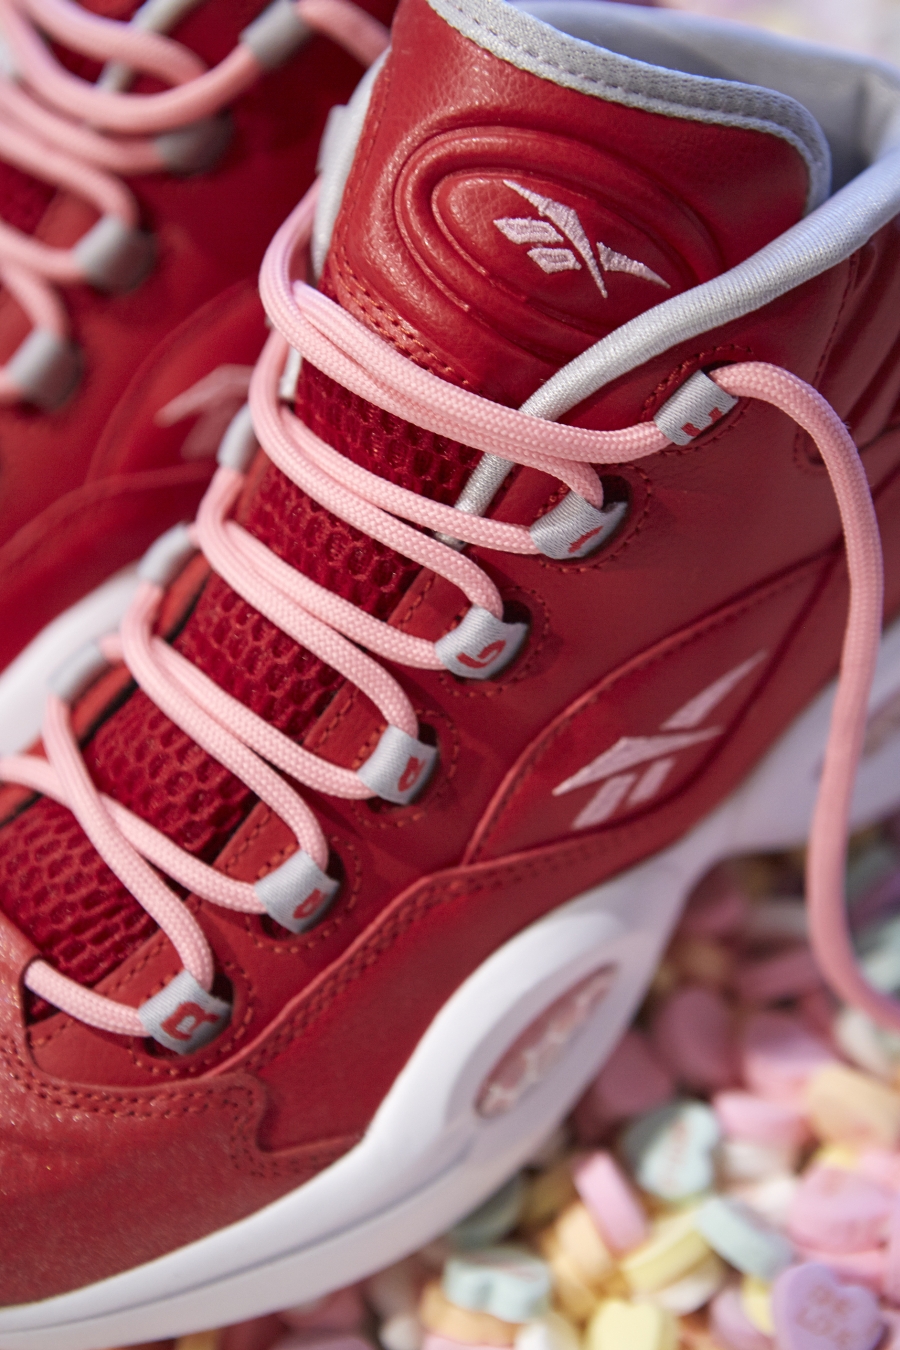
80	137
331	627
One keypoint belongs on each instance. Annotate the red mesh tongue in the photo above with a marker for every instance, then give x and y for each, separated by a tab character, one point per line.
52	885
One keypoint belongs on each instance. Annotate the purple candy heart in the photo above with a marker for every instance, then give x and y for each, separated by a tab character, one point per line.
812	1310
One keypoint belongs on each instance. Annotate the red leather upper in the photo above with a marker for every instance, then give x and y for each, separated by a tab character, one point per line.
730	558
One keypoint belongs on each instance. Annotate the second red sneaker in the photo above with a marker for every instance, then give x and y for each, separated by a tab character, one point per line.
135	218
345	860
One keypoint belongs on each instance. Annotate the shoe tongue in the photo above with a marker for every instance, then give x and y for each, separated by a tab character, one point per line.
517	193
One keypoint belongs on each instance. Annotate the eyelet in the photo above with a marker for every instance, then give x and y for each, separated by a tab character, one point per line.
481	646
573	529
278	932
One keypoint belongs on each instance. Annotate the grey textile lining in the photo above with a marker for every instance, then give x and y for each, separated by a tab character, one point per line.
568	44
336	154
825	238
853	99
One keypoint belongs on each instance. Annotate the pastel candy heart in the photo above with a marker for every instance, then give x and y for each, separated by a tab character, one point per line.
779	1056
571	1291
731	1326
550	1332
868	1045
772	1198
868	1267
848	1107
788	974
463	1325
813	1311
637	1326
692	1033
578	1237
612	1203
403	1331
881	1165
671	1150
744	1115
892	1256
433	1341
631	1082
695	1289
743	1238
740	1160
675	1247
756	1301
507	1282
839	1211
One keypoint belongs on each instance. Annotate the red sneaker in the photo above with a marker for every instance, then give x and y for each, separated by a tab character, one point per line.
429	808
128	253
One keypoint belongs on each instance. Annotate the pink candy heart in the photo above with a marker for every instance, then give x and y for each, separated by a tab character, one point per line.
839	1211
812	1310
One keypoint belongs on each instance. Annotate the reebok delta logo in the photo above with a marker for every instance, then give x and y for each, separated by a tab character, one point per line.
634	770
560	226
213	401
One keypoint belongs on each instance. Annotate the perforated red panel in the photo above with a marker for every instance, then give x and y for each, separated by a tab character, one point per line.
406	455
151	766
60	893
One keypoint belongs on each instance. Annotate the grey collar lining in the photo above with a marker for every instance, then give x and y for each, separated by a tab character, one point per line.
547	51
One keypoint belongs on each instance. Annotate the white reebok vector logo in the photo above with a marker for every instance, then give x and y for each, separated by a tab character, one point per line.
636	767
561	225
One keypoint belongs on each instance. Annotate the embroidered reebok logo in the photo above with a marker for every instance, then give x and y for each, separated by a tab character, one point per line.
560	226
633	771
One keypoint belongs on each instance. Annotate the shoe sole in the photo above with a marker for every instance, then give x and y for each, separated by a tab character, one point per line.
534	1023
25	681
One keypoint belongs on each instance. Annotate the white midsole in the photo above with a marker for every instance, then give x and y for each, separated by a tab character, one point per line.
25	681
428	1156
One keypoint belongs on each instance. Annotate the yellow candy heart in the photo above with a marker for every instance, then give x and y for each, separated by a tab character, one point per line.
579	1239
672	1249
617	1325
756	1301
